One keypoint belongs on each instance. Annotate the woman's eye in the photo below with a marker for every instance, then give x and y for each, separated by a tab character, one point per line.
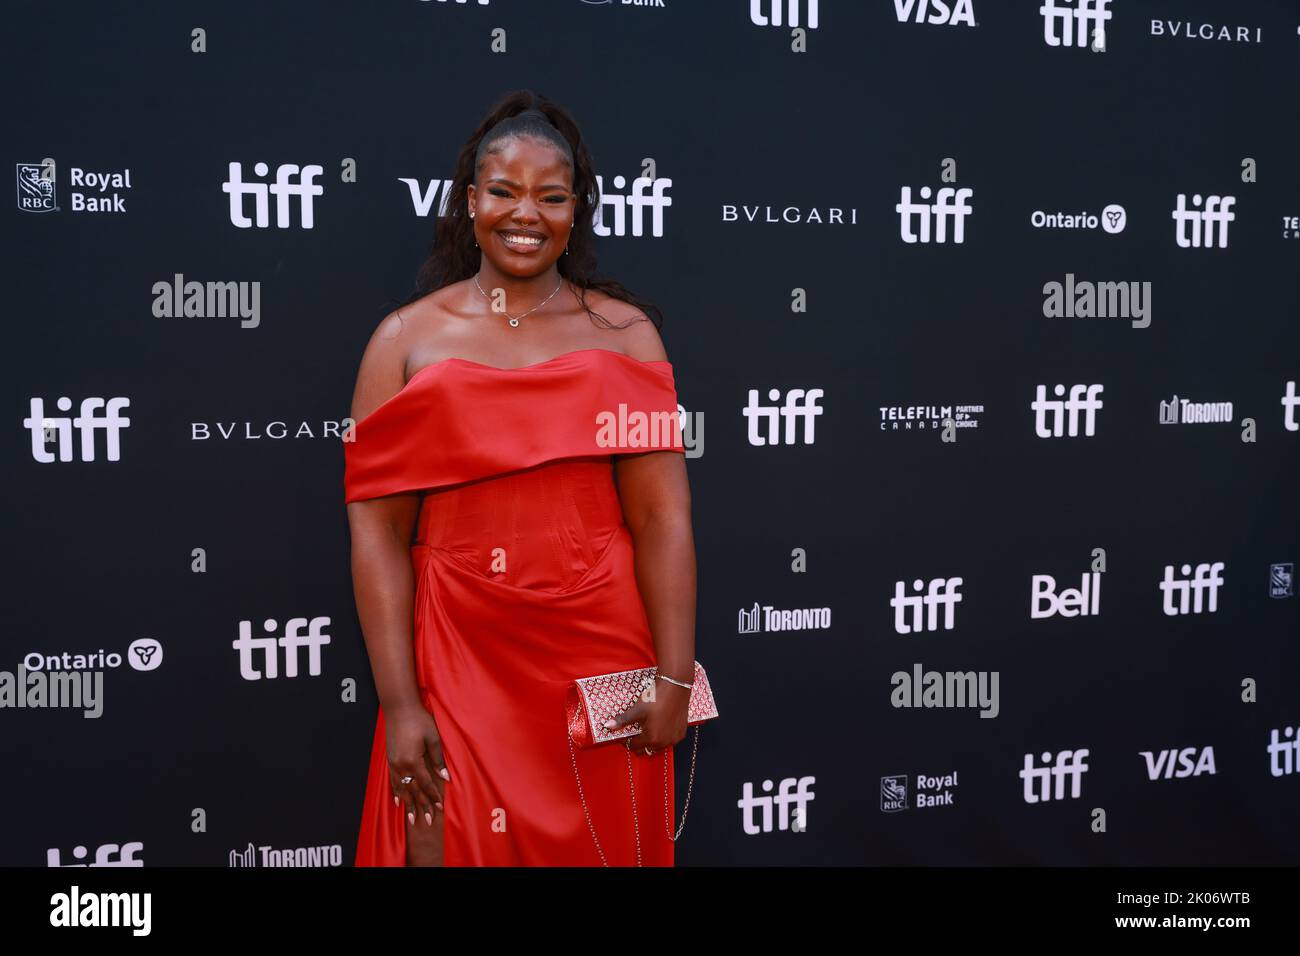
496	191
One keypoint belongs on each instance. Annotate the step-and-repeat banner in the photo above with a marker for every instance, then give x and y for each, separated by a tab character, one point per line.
984	318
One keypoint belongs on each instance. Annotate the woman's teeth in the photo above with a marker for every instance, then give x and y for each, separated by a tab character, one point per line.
522	242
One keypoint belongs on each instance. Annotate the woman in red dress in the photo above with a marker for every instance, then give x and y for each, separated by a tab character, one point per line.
552	541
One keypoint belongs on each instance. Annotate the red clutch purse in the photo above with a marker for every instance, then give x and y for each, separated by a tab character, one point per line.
590	701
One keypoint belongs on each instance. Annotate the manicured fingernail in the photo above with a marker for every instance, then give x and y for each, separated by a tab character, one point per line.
444	774
411	817
438	805
428	818
610	723
397	801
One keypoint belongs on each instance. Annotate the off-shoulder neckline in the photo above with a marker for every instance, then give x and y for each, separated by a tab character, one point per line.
493	368
524	368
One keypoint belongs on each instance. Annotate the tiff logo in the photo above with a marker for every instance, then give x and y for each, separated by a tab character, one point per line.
1064	412
949	203
907	609
791	8
1289	403
284	189
1283	754
1075	23
1217	210
1069	764
783	799
1208	578
656	202
800	406
293	638
46	429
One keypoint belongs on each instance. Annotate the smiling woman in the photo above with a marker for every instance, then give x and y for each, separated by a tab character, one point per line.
547	548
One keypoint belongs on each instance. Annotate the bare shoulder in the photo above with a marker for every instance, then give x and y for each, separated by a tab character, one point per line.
382	373
635	335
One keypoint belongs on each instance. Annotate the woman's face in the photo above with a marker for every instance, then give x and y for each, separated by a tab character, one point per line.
523	206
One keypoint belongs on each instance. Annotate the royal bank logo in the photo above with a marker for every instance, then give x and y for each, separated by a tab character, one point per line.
37	188
938	790
91	191
893	794
1281	580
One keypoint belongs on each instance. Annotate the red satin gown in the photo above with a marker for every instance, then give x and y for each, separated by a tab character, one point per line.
524	581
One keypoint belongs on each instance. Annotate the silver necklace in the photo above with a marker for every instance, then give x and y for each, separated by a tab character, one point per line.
514	320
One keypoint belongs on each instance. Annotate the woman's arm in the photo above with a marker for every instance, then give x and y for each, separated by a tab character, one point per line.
657	508
382	579
656	499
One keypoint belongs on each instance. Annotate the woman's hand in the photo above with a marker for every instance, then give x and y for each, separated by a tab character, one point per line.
415	751
662	718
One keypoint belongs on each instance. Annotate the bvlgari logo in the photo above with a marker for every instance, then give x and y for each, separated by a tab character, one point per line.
789	215
1190	30
276	430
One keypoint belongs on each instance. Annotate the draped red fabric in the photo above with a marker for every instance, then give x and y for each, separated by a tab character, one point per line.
524	581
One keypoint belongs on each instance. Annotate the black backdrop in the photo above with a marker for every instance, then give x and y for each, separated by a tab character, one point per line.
191	761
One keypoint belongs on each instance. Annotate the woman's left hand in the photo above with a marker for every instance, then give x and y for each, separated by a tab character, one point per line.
662	720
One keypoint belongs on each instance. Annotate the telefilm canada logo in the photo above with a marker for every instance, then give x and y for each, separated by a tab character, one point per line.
928	418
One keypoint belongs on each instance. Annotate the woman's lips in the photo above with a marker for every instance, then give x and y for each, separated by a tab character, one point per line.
520	244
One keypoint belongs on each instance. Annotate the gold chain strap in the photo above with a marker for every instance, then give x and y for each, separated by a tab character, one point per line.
632	787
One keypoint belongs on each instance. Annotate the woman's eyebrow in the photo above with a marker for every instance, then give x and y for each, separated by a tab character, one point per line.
515	185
